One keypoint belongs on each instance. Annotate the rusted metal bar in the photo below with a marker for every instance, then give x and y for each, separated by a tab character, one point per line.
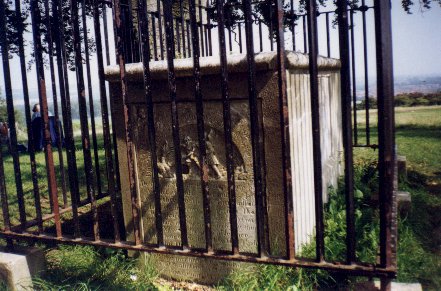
50	168
145	48
364	8
105	120
155	45
305	40
356	269
386	128
201	128
271	25
201	27
354	80
66	110
345	74
181	11
178	37
127	121
55	101
207	53
227	129
315	117
229	39
168	17
328	37
106	34
209	27
31	147
239	28
114	142
293	25
260	36
285	137
90	95
188	38
11	114
83	116
3	193
260	197
161	38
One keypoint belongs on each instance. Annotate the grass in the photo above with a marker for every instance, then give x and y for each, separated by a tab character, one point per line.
418	137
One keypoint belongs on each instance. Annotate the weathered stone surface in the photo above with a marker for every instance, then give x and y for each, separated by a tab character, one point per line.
206	270
17	268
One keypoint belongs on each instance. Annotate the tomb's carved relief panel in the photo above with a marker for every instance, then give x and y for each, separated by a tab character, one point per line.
191	167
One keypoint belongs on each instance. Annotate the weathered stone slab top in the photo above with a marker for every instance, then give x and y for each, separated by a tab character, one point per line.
237	63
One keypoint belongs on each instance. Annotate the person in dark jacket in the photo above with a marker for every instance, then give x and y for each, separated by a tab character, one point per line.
38	127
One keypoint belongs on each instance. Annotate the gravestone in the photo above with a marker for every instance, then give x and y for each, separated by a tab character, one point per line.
208	270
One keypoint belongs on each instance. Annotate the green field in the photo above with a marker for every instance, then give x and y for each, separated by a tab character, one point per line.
418	137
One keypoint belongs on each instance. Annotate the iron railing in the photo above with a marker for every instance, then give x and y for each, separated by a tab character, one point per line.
179	30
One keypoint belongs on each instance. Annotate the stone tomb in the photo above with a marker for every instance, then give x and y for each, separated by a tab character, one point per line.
208	270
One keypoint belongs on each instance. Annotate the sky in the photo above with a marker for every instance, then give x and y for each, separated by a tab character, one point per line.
416	44
416	41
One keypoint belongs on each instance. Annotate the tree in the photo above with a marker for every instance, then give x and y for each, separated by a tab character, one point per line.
18	24
265	10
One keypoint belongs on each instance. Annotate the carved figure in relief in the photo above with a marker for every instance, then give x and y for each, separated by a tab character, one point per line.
189	154
212	159
164	167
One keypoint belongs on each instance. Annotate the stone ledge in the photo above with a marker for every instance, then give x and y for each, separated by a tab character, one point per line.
395	286
18	268
211	65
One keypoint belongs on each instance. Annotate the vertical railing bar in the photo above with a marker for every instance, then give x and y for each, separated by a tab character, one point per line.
105	118
347	129
161	39
366	77
85	139
305	40
3	193
11	116
315	116
31	147
271	28
284	126
262	238
207	48
155	45
328	37
386	129
168	16
201	23
227	129
127	121
229	39
209	27
201	128
239	28
293	26
90	95
354	81
114	142
145	48
55	100
181	10
260	36
178	37
187	23
130	30
106	34
66	113
50	168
